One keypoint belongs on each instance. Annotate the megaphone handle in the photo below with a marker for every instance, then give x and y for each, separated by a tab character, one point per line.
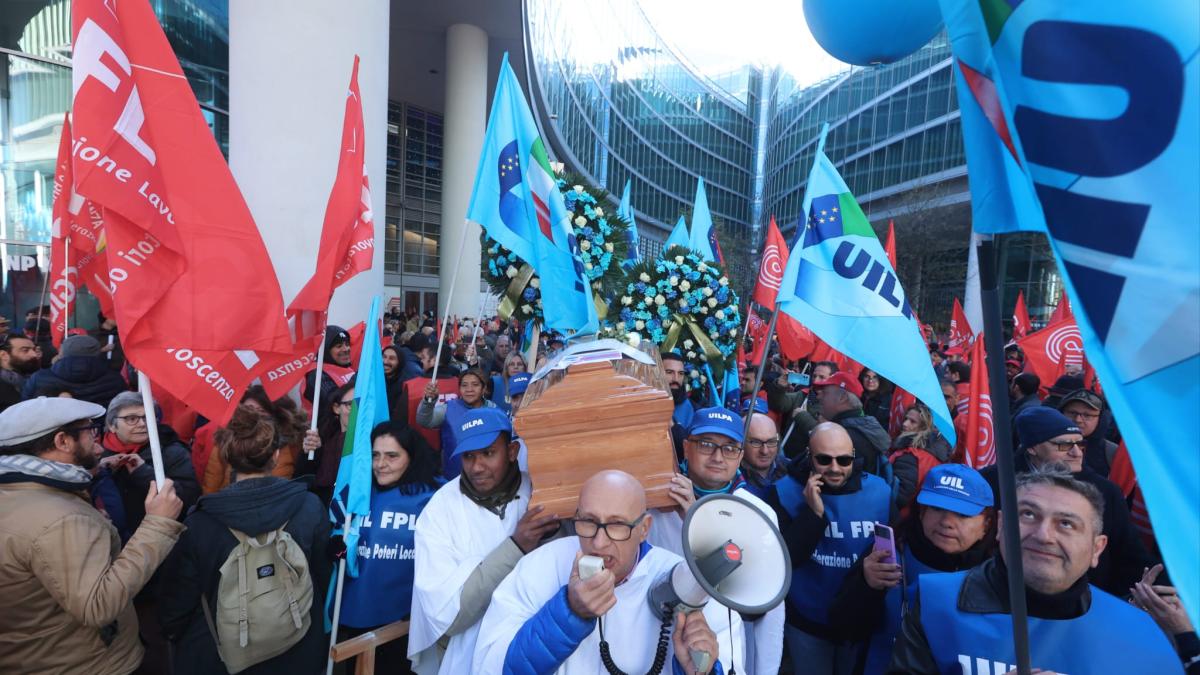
701	659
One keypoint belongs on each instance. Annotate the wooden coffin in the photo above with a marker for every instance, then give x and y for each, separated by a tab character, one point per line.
595	416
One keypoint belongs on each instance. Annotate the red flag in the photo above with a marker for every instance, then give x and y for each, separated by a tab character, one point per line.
981	437
960	329
845	364
770	269
901	400
76	233
1020	317
1062	310
193	289
346	248
1050	351
756	329
889	246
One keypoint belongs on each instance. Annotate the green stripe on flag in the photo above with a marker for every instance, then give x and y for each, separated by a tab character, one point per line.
348	445
854	221
995	14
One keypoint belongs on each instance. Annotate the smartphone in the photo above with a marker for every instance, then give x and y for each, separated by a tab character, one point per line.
885	540
799	379
590	565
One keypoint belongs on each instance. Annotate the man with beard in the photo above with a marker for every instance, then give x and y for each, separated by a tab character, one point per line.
70	582
18	360
675	369
337	371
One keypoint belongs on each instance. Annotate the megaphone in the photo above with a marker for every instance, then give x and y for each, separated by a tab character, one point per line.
732	553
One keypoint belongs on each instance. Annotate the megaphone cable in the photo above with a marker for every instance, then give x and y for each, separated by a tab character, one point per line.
660	655
732	660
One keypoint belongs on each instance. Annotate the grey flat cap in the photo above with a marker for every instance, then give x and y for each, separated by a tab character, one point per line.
37	417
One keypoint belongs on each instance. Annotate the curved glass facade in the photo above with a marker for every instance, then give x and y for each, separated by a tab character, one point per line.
621	103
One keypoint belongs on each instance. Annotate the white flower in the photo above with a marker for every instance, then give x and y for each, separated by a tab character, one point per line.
634	339
683	304
707	292
703	309
720	315
688	344
536	282
685	285
639	324
660	300
712	302
674	281
511	272
724	281
580	221
585	245
587	266
620	325
527	309
644	278
578	189
702	267
694	374
599	212
678	260
733	332
597	285
626	300
608	246
691	355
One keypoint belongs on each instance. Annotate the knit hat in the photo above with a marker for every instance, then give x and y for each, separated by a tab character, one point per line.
80	345
1039	424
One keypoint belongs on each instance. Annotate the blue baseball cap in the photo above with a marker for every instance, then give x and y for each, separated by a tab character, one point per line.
479	428
759	405
717	421
517	384
957	488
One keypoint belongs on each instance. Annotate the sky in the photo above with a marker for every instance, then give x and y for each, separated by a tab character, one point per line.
718	36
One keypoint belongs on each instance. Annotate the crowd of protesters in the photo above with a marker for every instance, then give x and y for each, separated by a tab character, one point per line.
103	572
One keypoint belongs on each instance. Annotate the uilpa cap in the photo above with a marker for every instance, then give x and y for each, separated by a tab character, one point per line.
717	421
479	428
517	384
37	417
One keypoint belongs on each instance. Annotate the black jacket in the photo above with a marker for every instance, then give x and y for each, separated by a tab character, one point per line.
870	439
177	465
88	378
1124	559
253	506
879	406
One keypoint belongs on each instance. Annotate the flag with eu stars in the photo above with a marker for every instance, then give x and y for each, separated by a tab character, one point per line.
839	284
517	202
1079	122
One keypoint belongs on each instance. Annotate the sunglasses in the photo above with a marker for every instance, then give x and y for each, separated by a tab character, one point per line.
826	460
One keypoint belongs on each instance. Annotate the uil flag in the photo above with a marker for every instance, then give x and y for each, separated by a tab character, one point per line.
703	234
352	489
889	245
77	255
1020	317
193	289
625	213
770	269
960	329
679	236
346	248
839	283
1075	113
981	441
517	202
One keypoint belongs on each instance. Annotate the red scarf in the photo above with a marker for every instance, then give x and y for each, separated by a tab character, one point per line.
111	442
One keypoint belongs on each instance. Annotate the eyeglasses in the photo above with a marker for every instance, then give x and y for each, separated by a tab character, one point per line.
756	444
826	460
94	429
617	531
1080	414
1065	446
707	448
133	420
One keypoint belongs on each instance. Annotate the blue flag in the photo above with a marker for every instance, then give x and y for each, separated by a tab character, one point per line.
679	236
517	202
1079	120
625	212
704	236
352	489
839	283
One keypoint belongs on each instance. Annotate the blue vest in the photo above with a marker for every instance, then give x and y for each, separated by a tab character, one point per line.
896	604
852	519
1112	637
382	592
498	397
456	411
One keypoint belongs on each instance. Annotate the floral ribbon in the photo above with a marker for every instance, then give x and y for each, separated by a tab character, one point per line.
512	296
711	353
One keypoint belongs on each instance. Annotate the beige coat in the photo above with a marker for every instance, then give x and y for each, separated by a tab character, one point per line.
65	582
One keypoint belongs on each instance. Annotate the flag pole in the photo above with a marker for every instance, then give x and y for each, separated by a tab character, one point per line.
1011	541
316	392
762	366
152	427
462	245
337	603
42	302
66	278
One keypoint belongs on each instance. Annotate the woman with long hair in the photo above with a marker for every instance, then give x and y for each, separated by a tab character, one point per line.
514	363
433	414
289	422
918	448
877	395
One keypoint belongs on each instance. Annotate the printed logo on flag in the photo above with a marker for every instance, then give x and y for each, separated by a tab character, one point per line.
772	268
1065	346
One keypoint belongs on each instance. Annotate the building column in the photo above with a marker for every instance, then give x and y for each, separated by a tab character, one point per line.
289	69
464	124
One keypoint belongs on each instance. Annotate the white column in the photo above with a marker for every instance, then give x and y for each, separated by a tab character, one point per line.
464	124
972	300
289	67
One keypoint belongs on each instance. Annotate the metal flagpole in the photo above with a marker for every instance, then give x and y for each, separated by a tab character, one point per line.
1004	453
152	428
66	278
316	392
337	603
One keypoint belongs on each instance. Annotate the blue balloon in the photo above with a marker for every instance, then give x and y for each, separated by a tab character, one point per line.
872	32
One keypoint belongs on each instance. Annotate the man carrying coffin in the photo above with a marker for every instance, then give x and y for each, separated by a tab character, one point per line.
545	617
474	530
